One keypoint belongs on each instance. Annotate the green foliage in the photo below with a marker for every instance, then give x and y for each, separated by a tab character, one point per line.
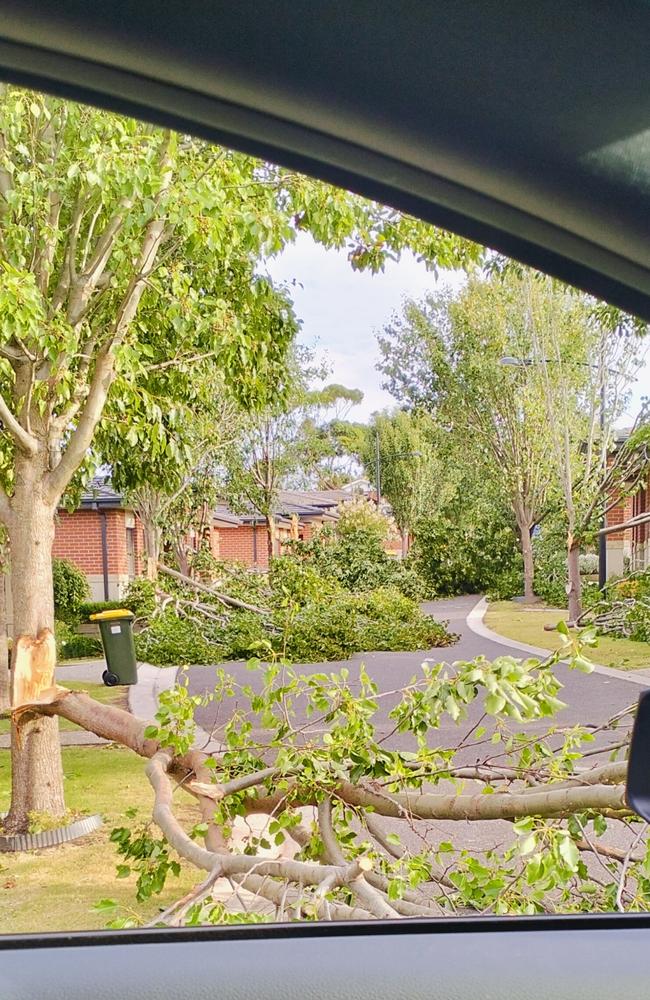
542	864
551	575
140	597
296	582
148	856
170	640
624	608
71	646
89	608
70	589
468	545
507	584
347	623
352	554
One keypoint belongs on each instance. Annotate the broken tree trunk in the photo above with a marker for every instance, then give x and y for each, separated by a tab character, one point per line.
36	767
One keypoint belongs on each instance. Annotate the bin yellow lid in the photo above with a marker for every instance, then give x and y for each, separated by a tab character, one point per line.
103	616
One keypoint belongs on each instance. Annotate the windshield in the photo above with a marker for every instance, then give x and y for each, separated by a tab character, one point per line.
324	538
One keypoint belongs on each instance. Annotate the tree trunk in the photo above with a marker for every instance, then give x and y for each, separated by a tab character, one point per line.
525	542
5	688
270	524
529	567
36	768
152	543
574	589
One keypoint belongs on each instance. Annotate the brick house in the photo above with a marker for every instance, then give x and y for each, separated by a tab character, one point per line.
104	539
244	537
628	549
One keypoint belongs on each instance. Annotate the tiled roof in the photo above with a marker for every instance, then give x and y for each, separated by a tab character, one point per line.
305	504
99	491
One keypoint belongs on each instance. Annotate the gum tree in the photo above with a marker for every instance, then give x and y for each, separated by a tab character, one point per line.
110	232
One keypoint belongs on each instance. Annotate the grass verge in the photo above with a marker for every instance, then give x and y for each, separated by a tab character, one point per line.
55	889
513	621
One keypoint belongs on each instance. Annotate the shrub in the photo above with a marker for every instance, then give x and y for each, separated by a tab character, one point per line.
245	635
551	569
70	590
352	554
507	584
173	641
71	646
294	581
89	608
353	623
460	554
588	563
140	597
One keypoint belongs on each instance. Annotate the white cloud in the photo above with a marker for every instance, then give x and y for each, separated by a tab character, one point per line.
343	310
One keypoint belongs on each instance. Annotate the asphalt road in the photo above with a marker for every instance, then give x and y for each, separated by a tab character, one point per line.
591	699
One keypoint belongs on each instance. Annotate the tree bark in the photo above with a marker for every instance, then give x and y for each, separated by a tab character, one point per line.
270	525
523	529
36	767
152	544
574	589
5	689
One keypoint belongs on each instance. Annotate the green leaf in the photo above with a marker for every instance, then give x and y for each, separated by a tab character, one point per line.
569	853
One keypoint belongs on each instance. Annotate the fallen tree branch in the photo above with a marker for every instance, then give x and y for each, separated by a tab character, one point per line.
204	589
369	897
119	726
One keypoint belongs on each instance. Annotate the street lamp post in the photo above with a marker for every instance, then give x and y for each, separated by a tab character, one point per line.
525	363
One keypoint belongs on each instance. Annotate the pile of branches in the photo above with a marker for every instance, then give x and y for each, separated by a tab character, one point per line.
624	612
348	795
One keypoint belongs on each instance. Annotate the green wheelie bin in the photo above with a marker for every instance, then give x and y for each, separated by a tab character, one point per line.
116	629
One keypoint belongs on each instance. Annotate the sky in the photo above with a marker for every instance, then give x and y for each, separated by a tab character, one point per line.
343	310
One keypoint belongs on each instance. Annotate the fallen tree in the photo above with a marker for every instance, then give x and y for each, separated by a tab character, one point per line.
341	825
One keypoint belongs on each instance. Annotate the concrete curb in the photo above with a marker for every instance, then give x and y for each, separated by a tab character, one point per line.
475	621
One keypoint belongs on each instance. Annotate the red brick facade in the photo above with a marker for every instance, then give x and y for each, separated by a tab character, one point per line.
247	543
78	538
619	514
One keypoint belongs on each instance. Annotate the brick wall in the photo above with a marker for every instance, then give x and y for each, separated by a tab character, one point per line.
247	544
78	538
620	513
237	543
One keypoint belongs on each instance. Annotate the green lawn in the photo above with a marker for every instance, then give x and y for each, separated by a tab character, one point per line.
55	889
107	695
514	621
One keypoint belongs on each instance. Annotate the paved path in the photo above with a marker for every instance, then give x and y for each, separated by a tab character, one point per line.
591	698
